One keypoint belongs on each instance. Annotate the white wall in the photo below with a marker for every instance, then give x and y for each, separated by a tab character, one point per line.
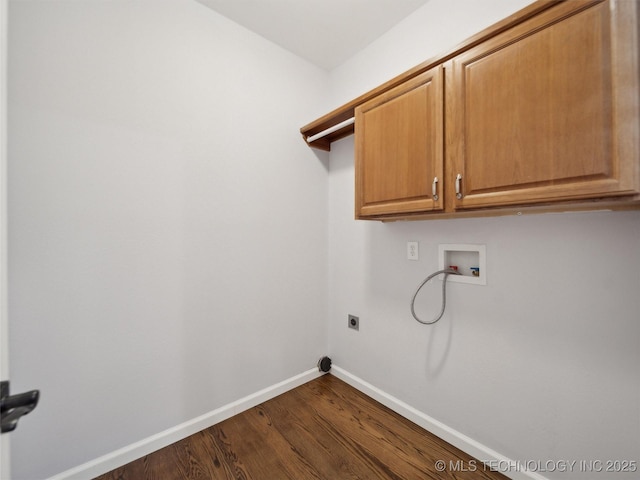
435	28
4	334
540	364
168	249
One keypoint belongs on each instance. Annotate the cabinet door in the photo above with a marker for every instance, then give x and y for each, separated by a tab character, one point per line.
399	149
548	110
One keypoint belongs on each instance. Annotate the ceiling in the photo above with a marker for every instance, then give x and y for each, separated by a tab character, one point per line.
325	32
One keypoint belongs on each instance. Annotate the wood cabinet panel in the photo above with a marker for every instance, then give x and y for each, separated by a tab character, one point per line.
538	114
346	111
399	148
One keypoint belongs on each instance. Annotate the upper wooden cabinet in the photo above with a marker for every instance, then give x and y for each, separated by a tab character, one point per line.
546	111
539	112
399	150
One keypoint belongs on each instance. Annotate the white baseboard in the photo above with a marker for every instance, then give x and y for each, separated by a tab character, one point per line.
127	454
139	449
506	466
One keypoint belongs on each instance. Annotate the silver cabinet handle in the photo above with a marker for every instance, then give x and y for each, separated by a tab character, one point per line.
458	179
434	189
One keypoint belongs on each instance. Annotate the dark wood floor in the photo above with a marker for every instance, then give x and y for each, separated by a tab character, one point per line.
324	429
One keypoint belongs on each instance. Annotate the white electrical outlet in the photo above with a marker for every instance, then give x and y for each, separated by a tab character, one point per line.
413	252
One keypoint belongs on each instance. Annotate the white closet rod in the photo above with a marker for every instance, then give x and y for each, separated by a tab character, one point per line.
329	130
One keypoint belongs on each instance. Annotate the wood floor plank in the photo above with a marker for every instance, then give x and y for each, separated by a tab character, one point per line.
254	440
403	448
344	430
322	430
316	439
225	464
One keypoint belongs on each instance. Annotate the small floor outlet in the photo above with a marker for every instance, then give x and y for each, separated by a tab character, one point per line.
354	322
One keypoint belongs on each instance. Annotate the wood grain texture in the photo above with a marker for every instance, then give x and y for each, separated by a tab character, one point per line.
399	147
324	430
536	114
541	113
347	111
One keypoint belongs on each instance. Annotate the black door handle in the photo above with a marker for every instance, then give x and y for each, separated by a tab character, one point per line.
12	407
